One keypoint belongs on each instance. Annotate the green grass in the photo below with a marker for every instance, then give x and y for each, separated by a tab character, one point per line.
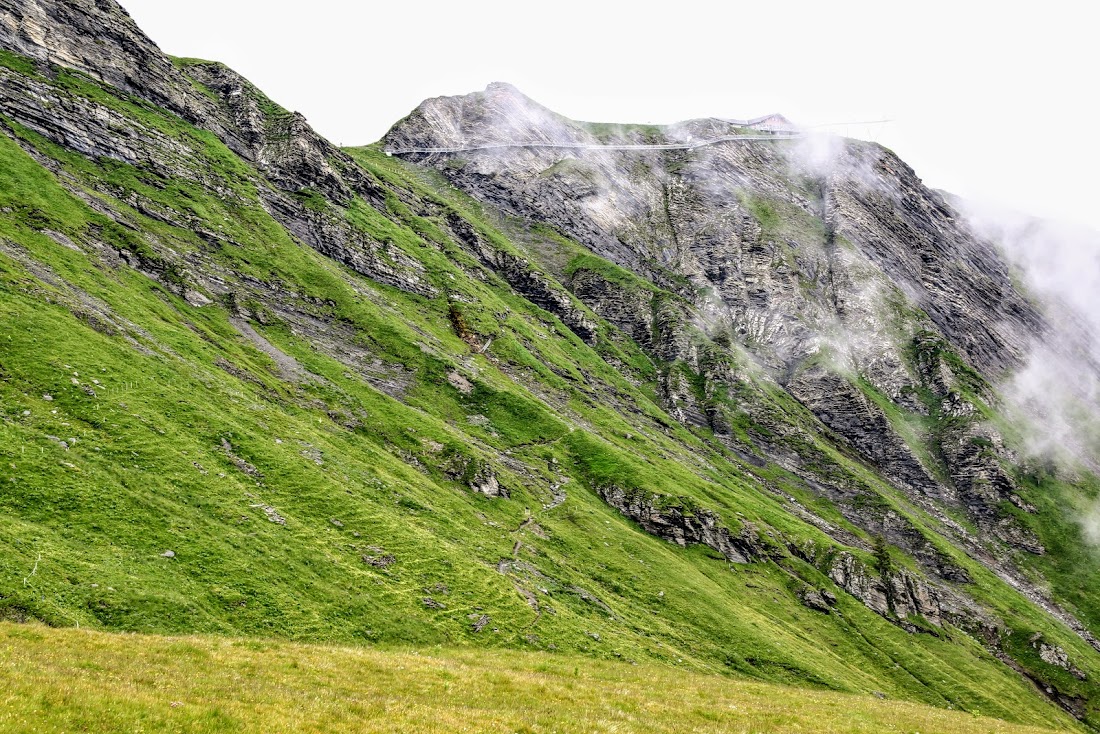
54	680
19	64
608	271
614	132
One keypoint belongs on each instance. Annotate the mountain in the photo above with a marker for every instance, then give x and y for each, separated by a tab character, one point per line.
510	380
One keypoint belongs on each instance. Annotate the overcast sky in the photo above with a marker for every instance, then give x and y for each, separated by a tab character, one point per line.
987	101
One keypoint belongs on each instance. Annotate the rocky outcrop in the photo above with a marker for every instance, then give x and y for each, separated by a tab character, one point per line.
294	158
972	451
94	129
334	237
500	114
897	595
1055	655
522	276
281	143
672	519
900	532
631	310
920	241
820	600
484	480
679	396
848	411
476	474
98	38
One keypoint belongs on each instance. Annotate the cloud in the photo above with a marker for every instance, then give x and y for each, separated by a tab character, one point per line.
819	153
1055	396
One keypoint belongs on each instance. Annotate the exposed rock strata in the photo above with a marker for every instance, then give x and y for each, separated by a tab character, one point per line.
525	279
796	260
671	520
849	412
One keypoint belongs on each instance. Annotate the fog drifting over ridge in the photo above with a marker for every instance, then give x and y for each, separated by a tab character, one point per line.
1055	396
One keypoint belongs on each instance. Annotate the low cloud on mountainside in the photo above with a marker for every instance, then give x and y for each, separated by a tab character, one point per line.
1056	395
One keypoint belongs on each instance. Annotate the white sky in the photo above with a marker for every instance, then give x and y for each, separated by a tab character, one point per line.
989	101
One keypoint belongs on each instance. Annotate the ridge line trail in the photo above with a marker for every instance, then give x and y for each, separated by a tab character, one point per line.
597	146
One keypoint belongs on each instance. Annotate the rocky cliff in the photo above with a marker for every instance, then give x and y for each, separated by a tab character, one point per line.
824	262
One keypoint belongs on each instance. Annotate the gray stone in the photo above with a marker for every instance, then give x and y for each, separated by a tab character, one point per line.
670	519
813	599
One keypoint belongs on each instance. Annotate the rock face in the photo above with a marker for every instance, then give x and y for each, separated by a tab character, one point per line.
848	411
926	248
671	520
101	40
824	261
294	158
858	220
282	144
630	310
900	595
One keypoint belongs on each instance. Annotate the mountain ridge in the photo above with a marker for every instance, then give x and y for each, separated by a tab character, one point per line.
755	373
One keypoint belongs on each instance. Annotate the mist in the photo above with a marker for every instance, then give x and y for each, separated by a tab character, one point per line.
1055	396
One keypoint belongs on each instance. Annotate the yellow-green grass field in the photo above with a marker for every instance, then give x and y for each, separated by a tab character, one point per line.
68	680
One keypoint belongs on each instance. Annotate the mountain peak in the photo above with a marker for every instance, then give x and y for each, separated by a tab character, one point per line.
501	114
504	88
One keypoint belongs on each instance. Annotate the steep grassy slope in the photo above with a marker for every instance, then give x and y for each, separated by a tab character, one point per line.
333	412
70	680
367	540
